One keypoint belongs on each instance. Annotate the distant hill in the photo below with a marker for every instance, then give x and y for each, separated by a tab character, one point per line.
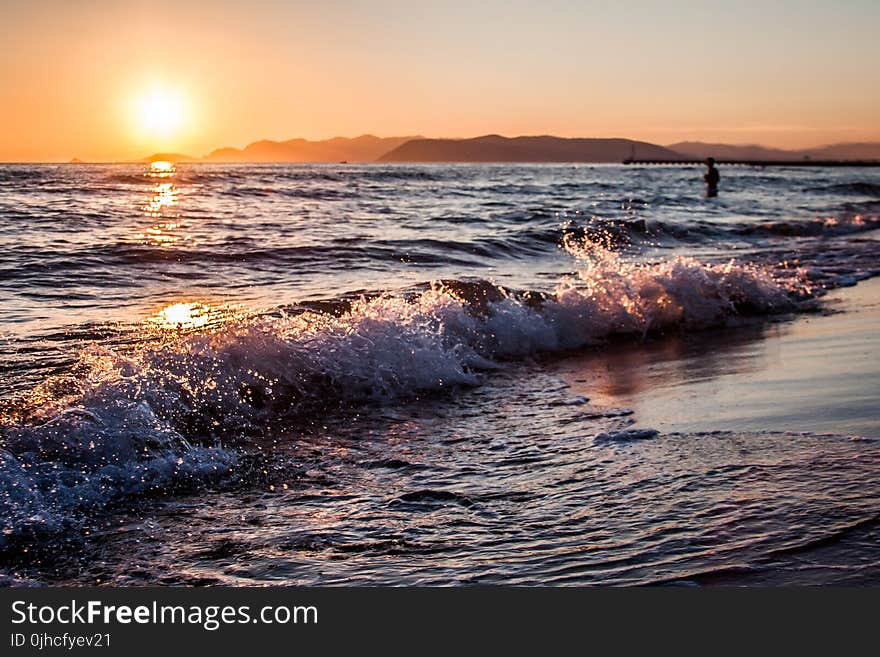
701	150
495	148
169	157
366	148
854	151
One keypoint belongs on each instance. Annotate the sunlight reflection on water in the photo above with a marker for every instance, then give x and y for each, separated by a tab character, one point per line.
189	316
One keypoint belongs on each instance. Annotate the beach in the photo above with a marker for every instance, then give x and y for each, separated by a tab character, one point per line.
819	372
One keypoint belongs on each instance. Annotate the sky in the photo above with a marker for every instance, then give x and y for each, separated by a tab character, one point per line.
112	80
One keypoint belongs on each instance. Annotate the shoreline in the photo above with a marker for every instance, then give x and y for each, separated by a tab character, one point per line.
816	372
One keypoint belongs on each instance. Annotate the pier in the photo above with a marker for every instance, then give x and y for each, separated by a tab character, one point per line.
760	163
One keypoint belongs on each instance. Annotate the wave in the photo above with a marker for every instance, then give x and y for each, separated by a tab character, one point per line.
830	226
614	233
92	259
29	174
858	188
103	262
175	413
309	192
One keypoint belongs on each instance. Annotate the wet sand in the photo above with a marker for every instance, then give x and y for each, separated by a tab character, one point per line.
817	373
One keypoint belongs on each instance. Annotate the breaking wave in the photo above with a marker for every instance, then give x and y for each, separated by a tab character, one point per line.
175	413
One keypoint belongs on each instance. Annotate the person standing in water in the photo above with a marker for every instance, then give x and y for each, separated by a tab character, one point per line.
712	177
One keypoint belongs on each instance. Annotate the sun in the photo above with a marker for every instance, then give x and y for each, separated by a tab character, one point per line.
160	113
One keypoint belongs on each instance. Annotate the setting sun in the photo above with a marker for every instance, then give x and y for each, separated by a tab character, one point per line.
160	113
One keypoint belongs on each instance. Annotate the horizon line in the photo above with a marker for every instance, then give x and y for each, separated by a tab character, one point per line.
197	159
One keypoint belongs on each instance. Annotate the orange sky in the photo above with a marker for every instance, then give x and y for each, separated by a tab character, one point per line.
788	74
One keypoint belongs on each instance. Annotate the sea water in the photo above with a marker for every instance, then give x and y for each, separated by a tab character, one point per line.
251	374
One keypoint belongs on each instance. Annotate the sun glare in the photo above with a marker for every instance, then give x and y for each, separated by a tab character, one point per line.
160	113
183	316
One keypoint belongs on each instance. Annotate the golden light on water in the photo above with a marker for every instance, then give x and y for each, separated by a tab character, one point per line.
164	196
186	315
160	167
193	316
160	234
162	199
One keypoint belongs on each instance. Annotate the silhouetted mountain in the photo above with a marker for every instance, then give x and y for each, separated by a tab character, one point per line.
169	157
495	148
701	150
854	151
366	148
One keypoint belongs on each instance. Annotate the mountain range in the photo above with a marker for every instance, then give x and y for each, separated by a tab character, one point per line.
366	148
851	151
495	148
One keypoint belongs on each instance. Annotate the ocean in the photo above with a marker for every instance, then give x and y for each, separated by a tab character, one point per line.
414	374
